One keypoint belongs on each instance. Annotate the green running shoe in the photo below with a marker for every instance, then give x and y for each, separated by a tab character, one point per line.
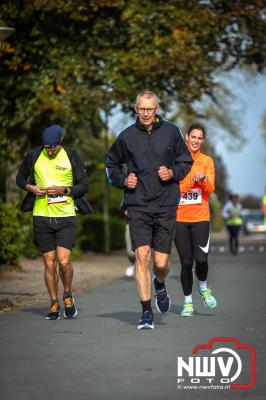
207	297
187	310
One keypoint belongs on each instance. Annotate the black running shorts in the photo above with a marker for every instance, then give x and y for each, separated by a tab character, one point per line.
152	229
50	232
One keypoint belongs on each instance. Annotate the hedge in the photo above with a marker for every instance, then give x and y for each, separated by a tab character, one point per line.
91	232
16	234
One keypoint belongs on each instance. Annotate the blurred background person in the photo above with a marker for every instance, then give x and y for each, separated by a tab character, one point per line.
130	253
264	208
232	214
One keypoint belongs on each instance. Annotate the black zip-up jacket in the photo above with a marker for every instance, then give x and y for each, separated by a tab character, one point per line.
143	153
25	175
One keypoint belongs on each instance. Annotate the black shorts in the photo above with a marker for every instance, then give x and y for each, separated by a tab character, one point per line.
52	232
152	229
192	240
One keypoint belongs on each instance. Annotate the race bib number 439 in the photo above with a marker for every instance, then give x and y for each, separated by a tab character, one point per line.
194	196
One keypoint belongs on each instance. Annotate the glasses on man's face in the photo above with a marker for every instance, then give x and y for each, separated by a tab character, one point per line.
145	110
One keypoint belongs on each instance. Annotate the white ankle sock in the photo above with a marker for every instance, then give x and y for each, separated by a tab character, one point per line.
188	299
203	285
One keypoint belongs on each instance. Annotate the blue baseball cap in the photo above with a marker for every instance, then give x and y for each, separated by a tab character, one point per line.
52	135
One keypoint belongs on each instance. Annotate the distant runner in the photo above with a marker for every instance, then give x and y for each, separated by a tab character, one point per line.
130	254
264	209
55	179
192	236
232	215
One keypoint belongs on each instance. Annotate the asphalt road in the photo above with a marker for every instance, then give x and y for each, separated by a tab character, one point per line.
101	354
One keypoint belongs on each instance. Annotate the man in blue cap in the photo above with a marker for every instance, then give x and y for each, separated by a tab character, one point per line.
55	179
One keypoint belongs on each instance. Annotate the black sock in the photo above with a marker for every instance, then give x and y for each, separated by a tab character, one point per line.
67	294
158	285
54	301
146	305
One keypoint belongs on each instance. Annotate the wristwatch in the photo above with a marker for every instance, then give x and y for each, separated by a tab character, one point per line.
67	190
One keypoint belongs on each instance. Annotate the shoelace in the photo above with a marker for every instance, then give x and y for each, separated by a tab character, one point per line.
188	307
162	296
147	315
207	293
54	307
68	301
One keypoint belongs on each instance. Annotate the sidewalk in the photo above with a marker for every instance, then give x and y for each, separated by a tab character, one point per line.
25	286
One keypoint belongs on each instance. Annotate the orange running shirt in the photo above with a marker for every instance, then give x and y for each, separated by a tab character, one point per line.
200	211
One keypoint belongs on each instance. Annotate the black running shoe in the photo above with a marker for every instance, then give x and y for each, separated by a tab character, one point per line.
162	300
146	321
70	310
54	312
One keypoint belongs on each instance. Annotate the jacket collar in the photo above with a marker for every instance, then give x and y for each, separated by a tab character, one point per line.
156	124
195	155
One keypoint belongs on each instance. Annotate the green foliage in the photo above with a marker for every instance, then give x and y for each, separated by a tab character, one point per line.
216	214
252	202
91	233
11	245
67	60
97	178
29	249
16	234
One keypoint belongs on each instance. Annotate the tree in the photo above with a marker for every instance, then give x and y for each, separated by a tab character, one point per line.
251	202
69	59
263	124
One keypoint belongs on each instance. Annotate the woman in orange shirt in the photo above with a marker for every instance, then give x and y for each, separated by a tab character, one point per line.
192	237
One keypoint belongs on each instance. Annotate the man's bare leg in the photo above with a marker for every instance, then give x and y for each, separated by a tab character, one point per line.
66	275
142	272
50	274
65	267
160	266
143	280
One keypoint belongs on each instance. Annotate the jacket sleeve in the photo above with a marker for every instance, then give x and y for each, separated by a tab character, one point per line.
81	185
226	209
186	184
114	164
22	178
182	158
208	183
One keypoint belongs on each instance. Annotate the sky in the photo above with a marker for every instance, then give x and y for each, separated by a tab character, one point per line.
246	166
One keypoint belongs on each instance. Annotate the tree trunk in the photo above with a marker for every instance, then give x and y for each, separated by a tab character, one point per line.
106	219
11	165
11	189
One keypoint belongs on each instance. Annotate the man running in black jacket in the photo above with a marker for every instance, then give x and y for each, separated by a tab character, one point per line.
55	179
156	158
